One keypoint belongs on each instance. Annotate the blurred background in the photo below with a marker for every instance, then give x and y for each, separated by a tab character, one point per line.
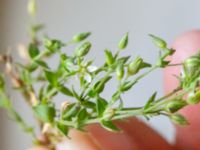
108	20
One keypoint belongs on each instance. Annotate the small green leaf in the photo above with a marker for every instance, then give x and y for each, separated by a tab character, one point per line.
101	106
71	111
123	42
52	78
150	101
82	115
65	90
42	64
109	57
45	112
108	125
127	85
99	86
158	41
33	50
81	36
83	49
115	97
62	128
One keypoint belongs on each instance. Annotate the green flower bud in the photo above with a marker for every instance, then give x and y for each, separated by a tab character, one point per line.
135	66
179	119
194	97
53	45
175	105
32	8
123	42
80	37
120	71
191	66
109	57
83	49
158	42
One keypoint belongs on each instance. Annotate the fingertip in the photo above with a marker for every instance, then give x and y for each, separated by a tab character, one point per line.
186	44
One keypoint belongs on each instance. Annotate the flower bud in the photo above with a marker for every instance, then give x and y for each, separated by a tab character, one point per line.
32	8
193	97
123	42
109	57
191	66
83	49
135	66
120	71
175	105
80	37
179	119
158	41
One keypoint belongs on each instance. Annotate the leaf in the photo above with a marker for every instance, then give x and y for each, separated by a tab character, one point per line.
65	90
89	104
108	125
82	115
71	111
151	99
33	50
64	129
115	97
127	85
101	106
42	64
52	78
45	112
99	86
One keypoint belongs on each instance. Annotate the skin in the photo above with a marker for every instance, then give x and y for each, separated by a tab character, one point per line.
137	135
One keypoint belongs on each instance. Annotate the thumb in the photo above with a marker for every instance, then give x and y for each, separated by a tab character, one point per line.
185	45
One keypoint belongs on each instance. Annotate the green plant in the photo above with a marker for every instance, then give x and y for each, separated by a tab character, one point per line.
87	105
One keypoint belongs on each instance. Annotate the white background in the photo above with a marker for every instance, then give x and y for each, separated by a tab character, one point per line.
108	20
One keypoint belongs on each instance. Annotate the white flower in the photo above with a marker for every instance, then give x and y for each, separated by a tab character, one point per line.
92	68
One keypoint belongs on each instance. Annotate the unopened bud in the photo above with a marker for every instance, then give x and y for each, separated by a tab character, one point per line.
135	66
179	119
32	8
175	105
81	36
158	41
194	97
120	71
123	42
83	49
